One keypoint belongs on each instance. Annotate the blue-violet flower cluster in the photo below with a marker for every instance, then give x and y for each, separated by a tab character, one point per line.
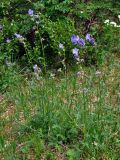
30	12
76	40
90	39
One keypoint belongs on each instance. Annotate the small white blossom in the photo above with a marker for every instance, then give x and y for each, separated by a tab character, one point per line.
119	17
61	46
37	71
118	26
52	75
59	70
98	73
37	22
82	60
8	40
107	21
35	67
113	23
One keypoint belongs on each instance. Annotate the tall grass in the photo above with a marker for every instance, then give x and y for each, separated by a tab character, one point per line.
76	117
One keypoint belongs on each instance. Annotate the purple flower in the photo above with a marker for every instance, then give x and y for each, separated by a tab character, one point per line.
81	42
8	40
30	12
18	36
90	39
75	53
61	46
74	39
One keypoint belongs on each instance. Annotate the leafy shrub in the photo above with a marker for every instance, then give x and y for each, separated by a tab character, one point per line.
54	22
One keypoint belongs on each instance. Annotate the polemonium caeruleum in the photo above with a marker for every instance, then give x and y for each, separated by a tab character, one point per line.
35	68
61	46
90	39
18	36
30	12
75	53
74	39
81	42
8	40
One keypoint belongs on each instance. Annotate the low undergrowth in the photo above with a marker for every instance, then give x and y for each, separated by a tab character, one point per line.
72	117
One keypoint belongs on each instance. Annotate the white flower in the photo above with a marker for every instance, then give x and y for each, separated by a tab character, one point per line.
107	21
37	22
61	46
118	26
98	73
35	67
8	40
119	17
113	23
52	75
37	71
82	60
59	70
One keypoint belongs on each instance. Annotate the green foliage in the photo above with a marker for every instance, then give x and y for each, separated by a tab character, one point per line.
56	22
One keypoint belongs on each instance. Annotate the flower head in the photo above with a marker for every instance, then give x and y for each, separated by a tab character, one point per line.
113	23
118	26
35	67
30	12
107	21
8	40
90	39
98	73
18	36
75	53
61	46
74	39
81	42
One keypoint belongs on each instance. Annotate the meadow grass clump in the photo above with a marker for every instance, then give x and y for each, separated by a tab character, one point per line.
76	117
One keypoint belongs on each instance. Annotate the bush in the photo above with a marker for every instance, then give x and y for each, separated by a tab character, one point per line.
32	33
